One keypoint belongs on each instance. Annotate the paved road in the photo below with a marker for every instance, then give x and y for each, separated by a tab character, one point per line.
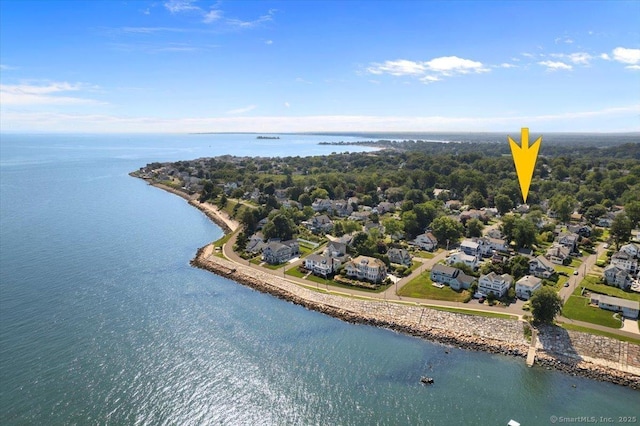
390	294
575	280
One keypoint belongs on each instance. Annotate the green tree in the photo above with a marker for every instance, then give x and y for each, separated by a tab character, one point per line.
632	209
305	199
280	226
524	233
545	305
474	228
621	229
594	212
508	227
393	226
410	223
319	193
563	205
445	228
503	203
518	266
474	200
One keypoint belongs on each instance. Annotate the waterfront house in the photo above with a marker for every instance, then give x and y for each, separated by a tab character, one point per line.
335	249
321	265
279	252
541	267
526	285
400	256
255	244
366	268
454	277
426	241
628	308
625	261
494	283
616	276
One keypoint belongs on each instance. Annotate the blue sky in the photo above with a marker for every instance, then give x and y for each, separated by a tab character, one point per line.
193	66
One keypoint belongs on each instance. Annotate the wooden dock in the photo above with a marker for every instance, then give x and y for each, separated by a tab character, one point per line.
531	355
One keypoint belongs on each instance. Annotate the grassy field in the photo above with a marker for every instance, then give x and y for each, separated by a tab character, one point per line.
426	254
421	287
590	282
577	308
294	272
600	333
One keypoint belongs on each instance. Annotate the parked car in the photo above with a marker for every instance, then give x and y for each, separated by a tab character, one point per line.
566	284
575	272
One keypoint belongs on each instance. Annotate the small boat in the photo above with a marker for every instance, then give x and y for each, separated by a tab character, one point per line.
426	380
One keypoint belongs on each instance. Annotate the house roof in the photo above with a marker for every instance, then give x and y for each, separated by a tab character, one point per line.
443	269
317	258
529	281
544	261
616	301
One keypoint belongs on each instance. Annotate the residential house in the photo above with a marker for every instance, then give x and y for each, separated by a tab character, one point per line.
321	265
614	275
459	257
366	268
321	205
495	233
321	224
454	277
625	261
279	252
494	283
342	208
453	205
558	254
541	267
385	207
488	245
360	216
472	214
632	249
605	222
400	256
369	226
526	285
255	244
582	230
569	240
628	308
426	241
335	249
470	247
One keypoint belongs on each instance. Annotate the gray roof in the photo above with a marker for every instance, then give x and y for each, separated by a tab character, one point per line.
616	301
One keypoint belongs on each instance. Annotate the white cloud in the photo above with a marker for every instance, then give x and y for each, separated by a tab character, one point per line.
4	67
212	16
633	67
398	68
580	58
555	65
428	71
47	94
269	42
570	121
286	104
626	56
250	24
564	39
605	57
177	6
507	65
243	110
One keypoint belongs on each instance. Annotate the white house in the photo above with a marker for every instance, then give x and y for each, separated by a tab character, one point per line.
275	253
526	285
541	267
367	268
454	277
426	241
624	261
459	257
614	275
470	247
321	265
628	308
632	249
489	245
494	283
557	254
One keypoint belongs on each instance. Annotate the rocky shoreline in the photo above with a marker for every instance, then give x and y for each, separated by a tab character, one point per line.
401	318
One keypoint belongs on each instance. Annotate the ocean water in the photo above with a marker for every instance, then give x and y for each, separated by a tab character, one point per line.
103	321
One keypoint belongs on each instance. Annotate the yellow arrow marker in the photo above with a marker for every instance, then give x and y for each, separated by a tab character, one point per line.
524	158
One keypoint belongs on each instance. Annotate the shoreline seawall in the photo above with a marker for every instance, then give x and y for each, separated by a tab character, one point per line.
463	331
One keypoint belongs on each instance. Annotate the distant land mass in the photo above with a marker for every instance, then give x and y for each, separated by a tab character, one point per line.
612	145
268	137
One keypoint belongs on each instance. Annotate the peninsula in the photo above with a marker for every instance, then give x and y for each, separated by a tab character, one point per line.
434	246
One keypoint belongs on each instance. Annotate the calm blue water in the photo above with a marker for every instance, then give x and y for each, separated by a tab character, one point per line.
103	321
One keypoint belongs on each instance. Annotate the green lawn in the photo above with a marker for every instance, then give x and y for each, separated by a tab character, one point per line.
566	269
599	333
426	254
294	272
577	308
223	240
421	287
591	283
561	280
